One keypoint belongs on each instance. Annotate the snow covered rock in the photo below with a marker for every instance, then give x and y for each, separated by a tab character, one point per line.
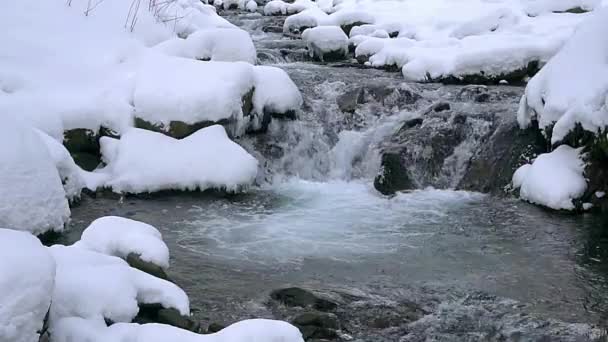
275	93
251	6
96	286
573	87
144	161
297	23
166	99
553	180
275	7
326	43
118	236
27	272
32	197
254	330
216	44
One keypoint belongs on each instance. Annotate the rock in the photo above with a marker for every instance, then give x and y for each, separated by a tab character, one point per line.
214	327
509	147
392	176
312	332
514	77
348	27
136	262
441	106
295	296
348	101
155	313
317	319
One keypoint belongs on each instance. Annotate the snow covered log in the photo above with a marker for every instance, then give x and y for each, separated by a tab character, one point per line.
27	275
32	197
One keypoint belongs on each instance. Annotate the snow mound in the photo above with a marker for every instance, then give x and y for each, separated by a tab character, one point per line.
323	40
573	87
217	44
32	197
96	286
165	91
26	285
251	6
308	18
275	92
553	180
144	161
254	330
118	236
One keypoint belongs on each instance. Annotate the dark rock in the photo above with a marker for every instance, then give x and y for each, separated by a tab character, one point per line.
215	327
514	77
87	161
441	106
135	261
311	332
509	147
412	123
155	313
295	296
392	176
348	101
272	29
317	319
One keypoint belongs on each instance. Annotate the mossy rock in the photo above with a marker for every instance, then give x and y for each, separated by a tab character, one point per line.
135	261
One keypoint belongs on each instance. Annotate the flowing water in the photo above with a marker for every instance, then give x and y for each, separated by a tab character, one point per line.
315	220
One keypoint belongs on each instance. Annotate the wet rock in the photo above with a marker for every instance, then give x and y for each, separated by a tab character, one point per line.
155	313
509	147
348	101
317	319
215	327
272	29
476	93
313	332
441	106
135	261
83	145
514	77
295	296
393	176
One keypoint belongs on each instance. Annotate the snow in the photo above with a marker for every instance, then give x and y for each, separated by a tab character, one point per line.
144	161
32	197
553	180
573	87
24	264
447	38
325	39
275	92
164	90
118	236
95	286
216	44
251	6
254	330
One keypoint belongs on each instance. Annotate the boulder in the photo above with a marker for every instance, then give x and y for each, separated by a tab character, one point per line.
295	296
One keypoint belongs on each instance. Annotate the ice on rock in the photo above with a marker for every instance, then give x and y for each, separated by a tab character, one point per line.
96	286
553	180
32	197
144	161
215	44
118	236
254	330
326	42
573	86
27	274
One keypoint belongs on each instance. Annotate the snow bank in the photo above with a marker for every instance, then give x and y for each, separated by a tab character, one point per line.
451	39
254	330
573	87
554	179
95	286
27	275
218	44
32	197
324	40
275	92
165	91
144	161
118	236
